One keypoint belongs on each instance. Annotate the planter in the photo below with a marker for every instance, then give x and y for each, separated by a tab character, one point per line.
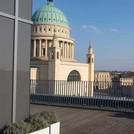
52	129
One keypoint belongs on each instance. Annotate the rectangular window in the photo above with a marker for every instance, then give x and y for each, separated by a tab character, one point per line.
44	51
36	51
88	60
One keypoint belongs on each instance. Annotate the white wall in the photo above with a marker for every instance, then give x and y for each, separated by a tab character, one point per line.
53	129
64	68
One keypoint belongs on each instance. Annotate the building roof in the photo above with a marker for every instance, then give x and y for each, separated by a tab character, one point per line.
49	14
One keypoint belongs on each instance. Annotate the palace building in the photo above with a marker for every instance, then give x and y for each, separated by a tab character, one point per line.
52	49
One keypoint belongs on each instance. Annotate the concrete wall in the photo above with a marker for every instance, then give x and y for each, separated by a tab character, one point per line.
58	70
15	38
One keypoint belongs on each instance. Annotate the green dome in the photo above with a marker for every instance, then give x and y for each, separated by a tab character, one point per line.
49	14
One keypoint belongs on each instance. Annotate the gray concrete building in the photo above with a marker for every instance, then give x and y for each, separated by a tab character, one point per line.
15	40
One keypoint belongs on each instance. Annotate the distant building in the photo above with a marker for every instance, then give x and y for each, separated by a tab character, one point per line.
122	85
102	80
114	74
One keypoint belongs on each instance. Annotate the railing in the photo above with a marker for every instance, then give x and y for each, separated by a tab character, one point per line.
84	94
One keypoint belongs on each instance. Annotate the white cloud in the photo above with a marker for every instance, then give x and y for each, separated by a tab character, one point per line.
84	26
114	30
91	28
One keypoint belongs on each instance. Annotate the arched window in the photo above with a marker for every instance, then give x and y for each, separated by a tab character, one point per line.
74	76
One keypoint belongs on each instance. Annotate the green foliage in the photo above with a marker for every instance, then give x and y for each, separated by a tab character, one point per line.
38	122
19	128
34	123
50	117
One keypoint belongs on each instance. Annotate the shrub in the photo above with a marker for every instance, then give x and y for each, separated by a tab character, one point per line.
34	123
19	128
38	122
50	117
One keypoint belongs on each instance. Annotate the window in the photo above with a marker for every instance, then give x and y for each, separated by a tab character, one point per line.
36	29
88	60
36	51
44	51
74	76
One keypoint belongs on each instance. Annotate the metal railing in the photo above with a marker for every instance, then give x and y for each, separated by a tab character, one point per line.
83	94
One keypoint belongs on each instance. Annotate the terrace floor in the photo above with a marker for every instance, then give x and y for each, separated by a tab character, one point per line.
84	121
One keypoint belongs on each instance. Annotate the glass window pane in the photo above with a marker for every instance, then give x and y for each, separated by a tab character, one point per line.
74	76
6	66
23	72
7	6
25	9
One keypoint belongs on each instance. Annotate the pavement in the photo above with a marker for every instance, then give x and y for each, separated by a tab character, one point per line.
87	121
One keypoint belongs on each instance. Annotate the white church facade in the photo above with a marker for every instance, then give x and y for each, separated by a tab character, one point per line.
52	49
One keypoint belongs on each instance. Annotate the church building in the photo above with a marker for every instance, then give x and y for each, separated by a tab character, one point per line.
52	48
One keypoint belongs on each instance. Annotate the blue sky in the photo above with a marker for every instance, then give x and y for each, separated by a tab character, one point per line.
110	25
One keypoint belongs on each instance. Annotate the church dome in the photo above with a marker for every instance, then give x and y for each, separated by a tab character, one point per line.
49	14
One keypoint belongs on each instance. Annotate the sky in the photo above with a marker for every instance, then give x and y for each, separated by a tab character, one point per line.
108	23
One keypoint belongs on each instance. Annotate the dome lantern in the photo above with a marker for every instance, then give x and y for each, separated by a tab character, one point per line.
50	2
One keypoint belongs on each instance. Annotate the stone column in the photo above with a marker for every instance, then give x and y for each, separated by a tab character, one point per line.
34	53
46	47
40	46
70	50
64	50
67	49
73	51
